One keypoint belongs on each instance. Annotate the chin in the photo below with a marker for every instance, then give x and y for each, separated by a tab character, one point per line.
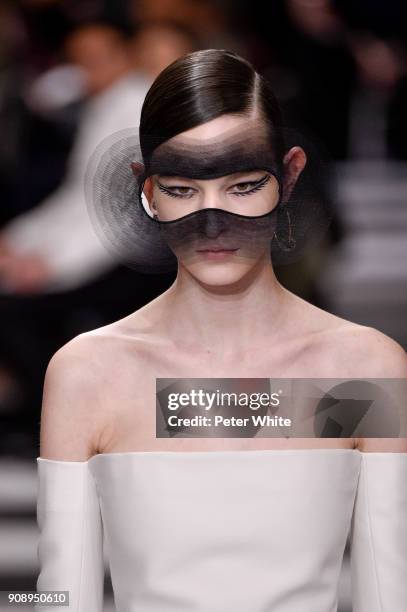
218	274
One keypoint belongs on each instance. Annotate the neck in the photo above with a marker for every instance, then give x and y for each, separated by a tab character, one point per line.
225	319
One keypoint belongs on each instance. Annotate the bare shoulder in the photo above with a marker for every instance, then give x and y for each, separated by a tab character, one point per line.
339	348
384	358
79	363
70	402
99	350
343	349
74	412
366	352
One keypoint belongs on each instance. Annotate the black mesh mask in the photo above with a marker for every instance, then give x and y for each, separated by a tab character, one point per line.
269	214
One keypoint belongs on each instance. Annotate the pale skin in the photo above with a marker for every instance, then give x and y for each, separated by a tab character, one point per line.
228	318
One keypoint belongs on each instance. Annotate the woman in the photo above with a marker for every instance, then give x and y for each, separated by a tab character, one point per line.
243	524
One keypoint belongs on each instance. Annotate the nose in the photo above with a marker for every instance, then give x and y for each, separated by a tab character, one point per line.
213	222
212	218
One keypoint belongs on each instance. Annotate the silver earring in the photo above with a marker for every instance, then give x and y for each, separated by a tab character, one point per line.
289	243
155	216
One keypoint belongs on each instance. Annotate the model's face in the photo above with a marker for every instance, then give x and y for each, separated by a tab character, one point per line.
221	251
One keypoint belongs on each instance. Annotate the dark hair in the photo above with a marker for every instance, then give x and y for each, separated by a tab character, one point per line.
204	85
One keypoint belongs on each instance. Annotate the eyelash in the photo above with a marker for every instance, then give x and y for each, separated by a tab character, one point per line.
257	186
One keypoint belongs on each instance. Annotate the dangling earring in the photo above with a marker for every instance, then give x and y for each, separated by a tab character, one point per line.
290	244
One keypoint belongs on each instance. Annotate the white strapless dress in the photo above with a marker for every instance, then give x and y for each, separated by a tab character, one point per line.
225	531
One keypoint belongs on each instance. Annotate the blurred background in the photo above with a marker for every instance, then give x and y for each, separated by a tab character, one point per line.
72	73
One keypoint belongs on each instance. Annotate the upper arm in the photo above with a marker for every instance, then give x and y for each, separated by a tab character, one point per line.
378	534
70	412
380	356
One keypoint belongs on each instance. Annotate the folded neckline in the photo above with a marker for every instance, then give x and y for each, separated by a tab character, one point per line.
261	452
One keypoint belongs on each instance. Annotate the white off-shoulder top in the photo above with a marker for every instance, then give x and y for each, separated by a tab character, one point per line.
223	531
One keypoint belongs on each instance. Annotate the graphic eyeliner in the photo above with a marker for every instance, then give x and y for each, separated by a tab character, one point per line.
257	185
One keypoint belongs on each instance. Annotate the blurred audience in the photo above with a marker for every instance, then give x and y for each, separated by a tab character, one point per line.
158	44
56	277
209	20
54	247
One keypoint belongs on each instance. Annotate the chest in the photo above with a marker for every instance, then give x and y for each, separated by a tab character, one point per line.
133	420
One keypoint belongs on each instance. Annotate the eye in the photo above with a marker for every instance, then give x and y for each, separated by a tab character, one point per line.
181	190
242	187
177	191
247	187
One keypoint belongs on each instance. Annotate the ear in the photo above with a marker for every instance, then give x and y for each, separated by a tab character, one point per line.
148	192
294	163
137	168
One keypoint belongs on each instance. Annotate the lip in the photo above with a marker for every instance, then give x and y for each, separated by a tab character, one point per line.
216	250
216	253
